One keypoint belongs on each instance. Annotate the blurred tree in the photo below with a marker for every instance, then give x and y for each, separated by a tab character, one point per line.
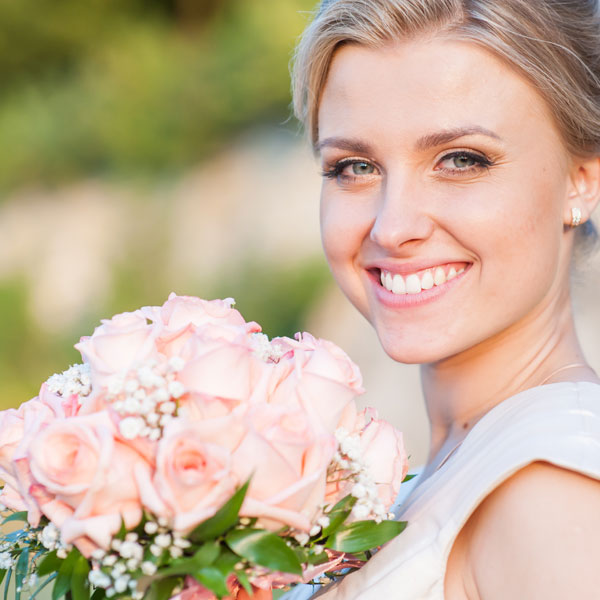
136	87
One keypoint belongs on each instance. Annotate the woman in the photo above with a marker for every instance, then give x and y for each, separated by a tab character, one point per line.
459	143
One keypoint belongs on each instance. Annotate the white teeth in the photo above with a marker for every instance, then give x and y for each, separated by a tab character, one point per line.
439	277
413	284
427	280
398	286
389	281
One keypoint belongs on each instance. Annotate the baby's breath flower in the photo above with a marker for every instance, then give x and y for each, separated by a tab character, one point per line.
150	527
324	521
148	568
110	560
163	540
99	579
6	560
121	583
302	538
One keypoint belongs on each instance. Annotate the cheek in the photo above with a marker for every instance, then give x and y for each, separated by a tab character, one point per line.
344	227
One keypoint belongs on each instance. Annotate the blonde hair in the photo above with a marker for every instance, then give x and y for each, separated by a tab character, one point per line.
554	43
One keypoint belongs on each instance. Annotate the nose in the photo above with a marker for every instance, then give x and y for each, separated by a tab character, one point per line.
401	216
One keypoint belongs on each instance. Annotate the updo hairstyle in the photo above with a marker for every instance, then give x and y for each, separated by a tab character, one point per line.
554	43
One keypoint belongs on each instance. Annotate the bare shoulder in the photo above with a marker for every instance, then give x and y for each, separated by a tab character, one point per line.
536	536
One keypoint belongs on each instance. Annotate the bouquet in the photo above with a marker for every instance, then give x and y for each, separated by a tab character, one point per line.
190	456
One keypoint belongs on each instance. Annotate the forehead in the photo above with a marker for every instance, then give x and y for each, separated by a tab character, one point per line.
414	87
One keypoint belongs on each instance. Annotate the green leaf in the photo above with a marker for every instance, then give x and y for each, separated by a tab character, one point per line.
213	579
338	514
364	535
99	594
2	574
16	516
7	584
49	564
264	548
244	581
204	557
409	477
80	589
122	530
301	553
21	572
226	561
43	585
223	520
161	589
63	580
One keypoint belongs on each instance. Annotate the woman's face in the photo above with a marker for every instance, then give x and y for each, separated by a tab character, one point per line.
444	194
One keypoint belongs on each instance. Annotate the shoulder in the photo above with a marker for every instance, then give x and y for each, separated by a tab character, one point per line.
537	535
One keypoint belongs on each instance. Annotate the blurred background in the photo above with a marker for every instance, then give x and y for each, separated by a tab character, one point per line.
146	146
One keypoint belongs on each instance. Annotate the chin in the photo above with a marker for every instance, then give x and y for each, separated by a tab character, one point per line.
399	348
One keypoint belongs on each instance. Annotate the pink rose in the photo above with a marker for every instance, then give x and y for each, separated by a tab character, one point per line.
118	345
287	460
11	434
324	380
383	453
220	368
192	479
180	311
17	430
182	317
86	478
331	361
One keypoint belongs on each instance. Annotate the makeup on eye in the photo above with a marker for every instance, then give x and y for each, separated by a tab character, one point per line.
357	168
461	162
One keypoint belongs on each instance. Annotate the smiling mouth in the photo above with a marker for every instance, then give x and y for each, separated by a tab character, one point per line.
426	279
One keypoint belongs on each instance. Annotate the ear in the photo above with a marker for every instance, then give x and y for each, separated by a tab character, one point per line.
584	189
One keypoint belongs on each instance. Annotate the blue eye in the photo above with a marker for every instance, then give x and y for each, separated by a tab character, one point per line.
350	169
455	162
362	168
463	161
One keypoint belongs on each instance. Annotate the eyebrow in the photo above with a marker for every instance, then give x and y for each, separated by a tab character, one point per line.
443	137
425	142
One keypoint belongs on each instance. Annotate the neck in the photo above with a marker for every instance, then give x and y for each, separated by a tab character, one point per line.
460	389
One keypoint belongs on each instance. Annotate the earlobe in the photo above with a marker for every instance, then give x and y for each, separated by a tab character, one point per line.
584	193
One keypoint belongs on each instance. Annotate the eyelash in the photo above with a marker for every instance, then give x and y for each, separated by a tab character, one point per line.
481	162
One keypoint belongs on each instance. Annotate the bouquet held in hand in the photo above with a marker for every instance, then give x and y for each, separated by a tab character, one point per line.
189	456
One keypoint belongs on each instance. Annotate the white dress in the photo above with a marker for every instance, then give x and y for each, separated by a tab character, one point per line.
558	423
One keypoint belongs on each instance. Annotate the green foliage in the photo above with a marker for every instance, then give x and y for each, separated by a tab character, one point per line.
21	572
263	548
49	564
338	514
161	589
223	520
16	516
364	535
63	580
136	87
27	356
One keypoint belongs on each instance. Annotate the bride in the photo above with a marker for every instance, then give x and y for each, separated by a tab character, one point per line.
459	144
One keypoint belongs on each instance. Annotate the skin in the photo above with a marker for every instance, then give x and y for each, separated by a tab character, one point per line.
403	195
